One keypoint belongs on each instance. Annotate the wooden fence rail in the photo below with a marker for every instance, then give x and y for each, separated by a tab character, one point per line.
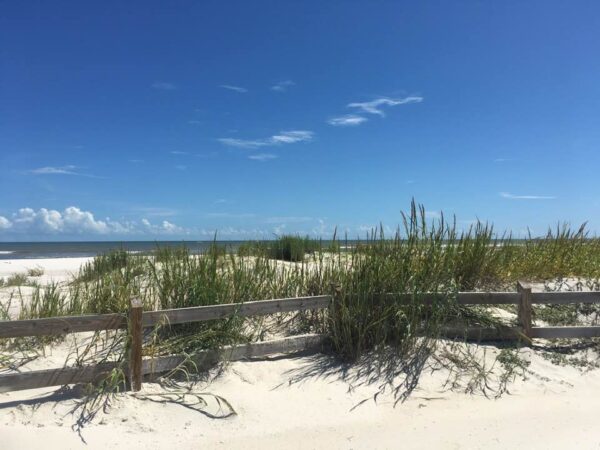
89	374
137	319
75	324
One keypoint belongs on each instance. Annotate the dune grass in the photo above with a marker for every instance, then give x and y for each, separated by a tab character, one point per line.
365	280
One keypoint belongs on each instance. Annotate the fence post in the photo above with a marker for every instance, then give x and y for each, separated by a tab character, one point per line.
525	309
135	349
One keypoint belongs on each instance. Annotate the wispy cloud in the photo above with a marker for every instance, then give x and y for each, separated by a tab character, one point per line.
262	157
349	120
239	89
284	137
180	167
177	152
374	106
526	197
153	211
282	86
502	160
224	215
164	86
61	170
288	219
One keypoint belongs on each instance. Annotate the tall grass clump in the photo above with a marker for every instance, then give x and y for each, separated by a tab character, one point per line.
378	297
107	263
286	248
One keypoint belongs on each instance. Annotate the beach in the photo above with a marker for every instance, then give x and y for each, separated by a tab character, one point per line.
303	402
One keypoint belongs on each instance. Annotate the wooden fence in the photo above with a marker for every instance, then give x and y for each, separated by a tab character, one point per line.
137	320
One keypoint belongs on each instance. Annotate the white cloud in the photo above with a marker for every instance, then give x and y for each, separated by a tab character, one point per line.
4	223
50	221
526	197
282	86
234	88
177	152
262	157
165	227
181	167
284	137
291	137
374	106
164	86
61	170
349	120
242	143
74	221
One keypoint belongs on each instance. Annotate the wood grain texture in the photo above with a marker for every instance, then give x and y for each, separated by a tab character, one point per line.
54	377
74	324
89	374
135	344
482	333
565	332
525	311
564	298
292	344
255	308
61	325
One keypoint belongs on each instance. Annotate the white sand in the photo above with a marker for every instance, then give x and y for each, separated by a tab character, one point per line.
55	269
279	405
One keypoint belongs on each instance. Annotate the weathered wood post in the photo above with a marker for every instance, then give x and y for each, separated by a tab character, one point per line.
525	309
135	348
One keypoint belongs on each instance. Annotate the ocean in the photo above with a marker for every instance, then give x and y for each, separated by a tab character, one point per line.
35	250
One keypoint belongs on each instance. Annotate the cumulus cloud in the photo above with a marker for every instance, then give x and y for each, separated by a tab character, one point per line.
374	106
165	227
284	137
74	221
349	120
239	89
164	86
526	197
282	86
4	223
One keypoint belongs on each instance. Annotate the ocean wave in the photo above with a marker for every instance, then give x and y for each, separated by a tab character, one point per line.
6	252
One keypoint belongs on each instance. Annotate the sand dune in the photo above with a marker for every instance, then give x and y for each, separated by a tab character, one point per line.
305	402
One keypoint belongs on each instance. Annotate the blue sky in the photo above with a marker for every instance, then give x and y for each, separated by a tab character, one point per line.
170	120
